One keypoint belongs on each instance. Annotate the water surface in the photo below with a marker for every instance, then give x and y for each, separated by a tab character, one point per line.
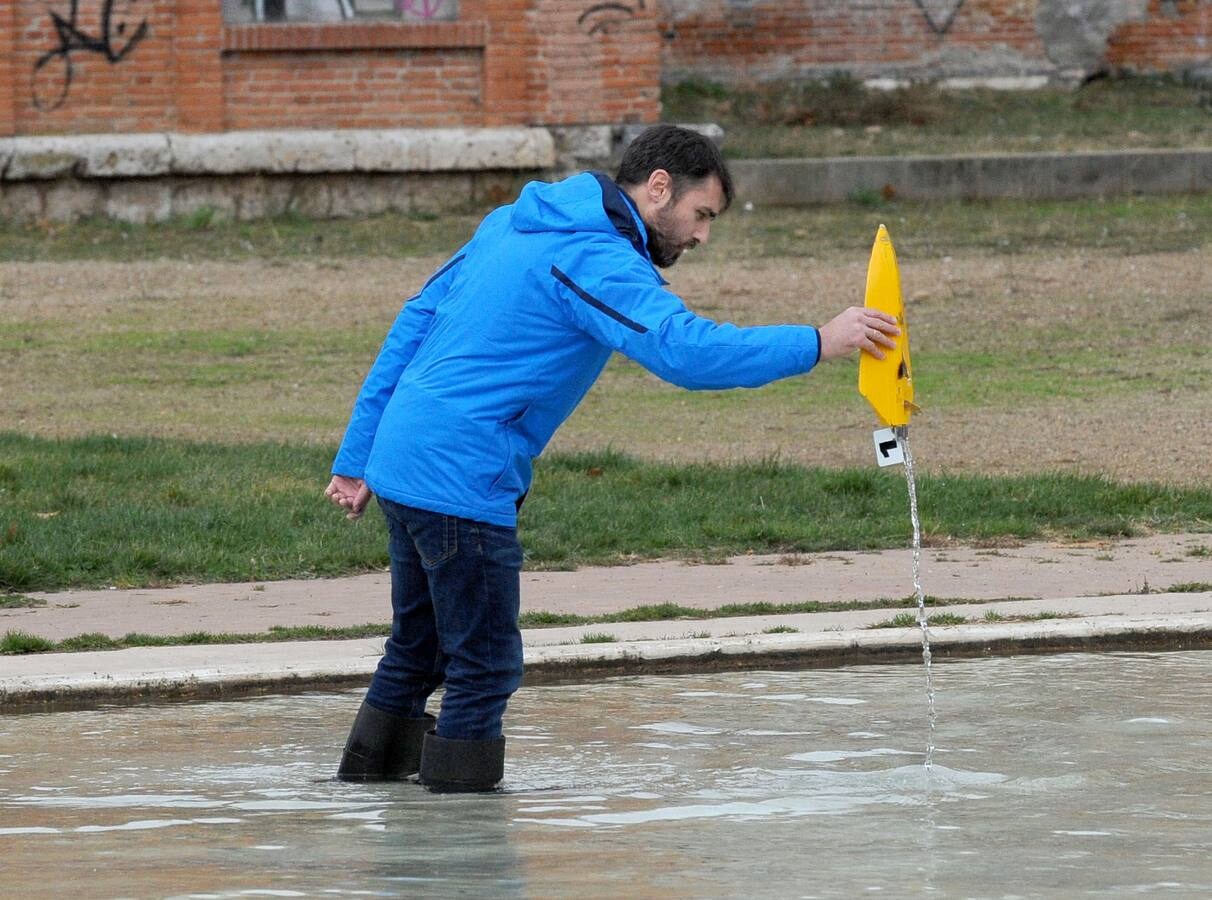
1074	775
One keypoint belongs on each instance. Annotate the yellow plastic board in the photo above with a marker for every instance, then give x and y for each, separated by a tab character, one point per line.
887	383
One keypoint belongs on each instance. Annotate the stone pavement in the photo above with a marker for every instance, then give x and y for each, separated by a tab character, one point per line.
1110	593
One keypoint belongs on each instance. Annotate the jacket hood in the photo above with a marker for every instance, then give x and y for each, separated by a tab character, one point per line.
586	203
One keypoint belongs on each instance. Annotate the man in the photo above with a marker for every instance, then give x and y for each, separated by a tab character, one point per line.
476	374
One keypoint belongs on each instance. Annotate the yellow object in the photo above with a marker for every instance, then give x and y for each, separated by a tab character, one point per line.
887	383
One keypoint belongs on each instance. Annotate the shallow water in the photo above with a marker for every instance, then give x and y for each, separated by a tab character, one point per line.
1075	775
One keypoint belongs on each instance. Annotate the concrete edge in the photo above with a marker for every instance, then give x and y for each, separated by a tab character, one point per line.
1023	176
48	157
350	663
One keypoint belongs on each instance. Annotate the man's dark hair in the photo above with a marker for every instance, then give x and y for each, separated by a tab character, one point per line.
686	155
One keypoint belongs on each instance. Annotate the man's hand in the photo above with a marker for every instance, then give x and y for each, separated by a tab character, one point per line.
858	328
351	494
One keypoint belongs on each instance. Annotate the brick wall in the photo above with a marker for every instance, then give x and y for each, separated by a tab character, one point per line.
769	39
173	65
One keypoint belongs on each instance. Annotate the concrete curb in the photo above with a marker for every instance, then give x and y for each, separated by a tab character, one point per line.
1023	176
226	671
276	153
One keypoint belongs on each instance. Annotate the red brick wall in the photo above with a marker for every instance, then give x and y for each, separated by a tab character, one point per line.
1174	35
137	93
503	62
767	39
371	89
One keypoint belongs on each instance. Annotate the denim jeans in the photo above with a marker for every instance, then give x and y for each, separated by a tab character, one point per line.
455	587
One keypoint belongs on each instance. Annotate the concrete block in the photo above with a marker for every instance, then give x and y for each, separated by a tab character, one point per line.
69	200
310	151
470	149
259	196
21	201
394	150
124	155
140	200
236	152
192	195
42	157
311	197
353	196
441	193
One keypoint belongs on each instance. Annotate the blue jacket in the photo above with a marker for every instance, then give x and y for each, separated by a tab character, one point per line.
504	340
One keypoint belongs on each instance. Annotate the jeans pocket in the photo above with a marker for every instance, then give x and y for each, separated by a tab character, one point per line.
436	538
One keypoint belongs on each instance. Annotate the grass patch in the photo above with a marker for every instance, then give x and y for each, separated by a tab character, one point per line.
781	629
136	512
20	642
1187	587
17	601
598	637
920	228
839	116
288	237
16	642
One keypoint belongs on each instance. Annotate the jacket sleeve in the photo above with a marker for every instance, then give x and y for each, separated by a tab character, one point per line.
628	311
399	347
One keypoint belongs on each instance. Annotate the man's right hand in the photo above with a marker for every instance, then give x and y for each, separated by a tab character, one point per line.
351	494
858	328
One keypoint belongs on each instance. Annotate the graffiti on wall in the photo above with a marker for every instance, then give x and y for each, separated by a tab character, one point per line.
422	9
601	17
940	14
116	37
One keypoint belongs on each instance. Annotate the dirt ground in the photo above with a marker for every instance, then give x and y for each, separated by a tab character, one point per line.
1119	350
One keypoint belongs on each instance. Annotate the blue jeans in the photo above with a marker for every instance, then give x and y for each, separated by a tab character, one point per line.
455	586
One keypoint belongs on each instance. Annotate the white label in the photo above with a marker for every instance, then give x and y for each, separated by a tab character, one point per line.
888	450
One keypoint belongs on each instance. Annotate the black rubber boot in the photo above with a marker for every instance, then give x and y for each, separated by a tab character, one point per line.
383	746
451	766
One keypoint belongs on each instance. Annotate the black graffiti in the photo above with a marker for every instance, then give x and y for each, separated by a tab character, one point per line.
601	16
71	40
940	26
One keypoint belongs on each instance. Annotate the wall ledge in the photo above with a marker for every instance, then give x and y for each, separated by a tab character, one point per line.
403	150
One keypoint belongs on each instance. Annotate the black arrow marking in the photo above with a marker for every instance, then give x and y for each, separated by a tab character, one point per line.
886	448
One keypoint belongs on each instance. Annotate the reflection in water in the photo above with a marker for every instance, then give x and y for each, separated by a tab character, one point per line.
1087	772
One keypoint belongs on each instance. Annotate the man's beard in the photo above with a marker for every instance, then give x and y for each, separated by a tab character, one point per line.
663	251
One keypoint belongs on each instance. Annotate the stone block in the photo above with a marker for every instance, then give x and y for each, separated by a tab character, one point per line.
311	196
392	150
194	194
21	201
124	155
354	196
69	200
237	152
139	200
42	158
259	196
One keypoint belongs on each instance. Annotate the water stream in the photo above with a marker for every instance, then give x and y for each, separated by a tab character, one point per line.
902	436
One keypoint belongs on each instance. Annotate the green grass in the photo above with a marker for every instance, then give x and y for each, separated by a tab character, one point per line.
17	642
16	601
289	237
840	117
598	637
1135	224
99	511
780	629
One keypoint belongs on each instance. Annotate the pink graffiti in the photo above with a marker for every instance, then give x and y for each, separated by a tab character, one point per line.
424	9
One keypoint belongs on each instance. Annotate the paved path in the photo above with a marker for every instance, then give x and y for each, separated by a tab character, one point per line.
1110	592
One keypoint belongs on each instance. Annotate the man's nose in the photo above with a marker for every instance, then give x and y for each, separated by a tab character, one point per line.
702	233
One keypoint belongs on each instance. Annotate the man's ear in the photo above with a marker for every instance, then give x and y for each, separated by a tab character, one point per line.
659	188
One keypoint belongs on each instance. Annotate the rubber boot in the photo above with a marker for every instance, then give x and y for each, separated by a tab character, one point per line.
383	746
450	766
